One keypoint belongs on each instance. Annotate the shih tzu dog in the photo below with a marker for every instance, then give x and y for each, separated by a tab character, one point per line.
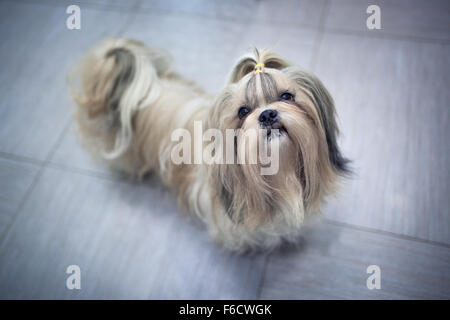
131	108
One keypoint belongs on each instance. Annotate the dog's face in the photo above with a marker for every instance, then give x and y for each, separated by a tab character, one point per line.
297	115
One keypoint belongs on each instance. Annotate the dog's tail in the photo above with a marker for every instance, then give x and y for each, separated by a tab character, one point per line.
110	84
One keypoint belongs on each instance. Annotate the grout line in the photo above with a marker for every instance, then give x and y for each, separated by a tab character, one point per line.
263	276
58	142
129	18
90	5
93	174
319	39
316	51
18	158
383	232
243	21
34	182
19	207
385	36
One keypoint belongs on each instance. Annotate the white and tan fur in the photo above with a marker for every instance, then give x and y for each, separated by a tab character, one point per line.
129	103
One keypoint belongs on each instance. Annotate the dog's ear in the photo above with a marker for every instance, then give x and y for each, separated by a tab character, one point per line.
247	64
325	108
244	66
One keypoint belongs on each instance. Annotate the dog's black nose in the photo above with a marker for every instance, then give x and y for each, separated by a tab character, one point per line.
268	117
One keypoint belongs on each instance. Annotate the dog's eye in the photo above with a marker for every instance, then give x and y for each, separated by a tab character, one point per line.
243	111
286	96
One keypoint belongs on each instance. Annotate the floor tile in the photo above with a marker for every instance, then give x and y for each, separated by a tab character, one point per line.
392	100
37	50
98	4
331	263
128	240
15	180
71	154
285	12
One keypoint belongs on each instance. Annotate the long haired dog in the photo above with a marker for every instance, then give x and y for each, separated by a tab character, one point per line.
130	105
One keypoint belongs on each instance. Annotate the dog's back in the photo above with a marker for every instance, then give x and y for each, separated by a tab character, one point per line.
124	91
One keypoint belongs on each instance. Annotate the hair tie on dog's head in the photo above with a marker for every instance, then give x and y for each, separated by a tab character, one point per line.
259	68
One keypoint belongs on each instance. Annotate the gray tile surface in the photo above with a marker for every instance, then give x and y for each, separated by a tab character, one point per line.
70	154
58	207
331	263
288	12
395	128
15	179
36	51
128	239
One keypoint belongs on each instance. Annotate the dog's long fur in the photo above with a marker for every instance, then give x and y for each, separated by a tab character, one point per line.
130	102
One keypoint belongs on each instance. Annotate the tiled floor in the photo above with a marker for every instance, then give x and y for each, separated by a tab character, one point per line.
58	207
